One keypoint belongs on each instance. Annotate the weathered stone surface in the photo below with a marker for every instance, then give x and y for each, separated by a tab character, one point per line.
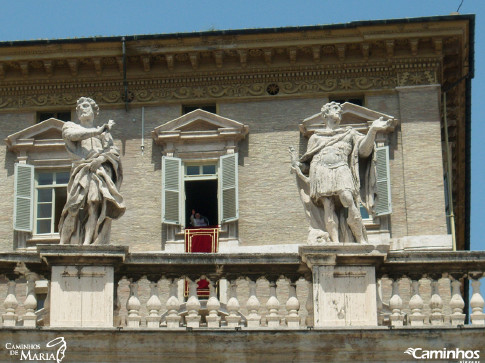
342	345
81	296
344	283
93	198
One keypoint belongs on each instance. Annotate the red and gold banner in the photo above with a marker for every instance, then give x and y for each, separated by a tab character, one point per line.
201	240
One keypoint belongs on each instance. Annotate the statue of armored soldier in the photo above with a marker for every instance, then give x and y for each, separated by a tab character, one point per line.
336	176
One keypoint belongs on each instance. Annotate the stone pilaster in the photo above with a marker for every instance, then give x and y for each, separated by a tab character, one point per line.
344	282
82	283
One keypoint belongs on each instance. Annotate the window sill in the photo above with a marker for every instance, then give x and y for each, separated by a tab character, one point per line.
44	238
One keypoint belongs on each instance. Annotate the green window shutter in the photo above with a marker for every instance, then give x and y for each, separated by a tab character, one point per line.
171	190
228	190
383	201
24	197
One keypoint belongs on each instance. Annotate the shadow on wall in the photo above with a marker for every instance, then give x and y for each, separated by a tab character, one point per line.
156	156
9	162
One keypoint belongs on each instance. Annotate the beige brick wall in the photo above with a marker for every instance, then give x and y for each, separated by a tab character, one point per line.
389	104
269	206
9	124
422	160
140	227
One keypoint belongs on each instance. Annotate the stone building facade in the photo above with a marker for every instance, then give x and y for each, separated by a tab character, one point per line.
222	107
270	81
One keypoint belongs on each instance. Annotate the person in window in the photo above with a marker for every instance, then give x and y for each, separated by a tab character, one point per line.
93	197
198	220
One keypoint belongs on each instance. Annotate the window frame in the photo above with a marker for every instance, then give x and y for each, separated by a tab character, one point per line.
183	177
55	114
187	108
201	175
36	202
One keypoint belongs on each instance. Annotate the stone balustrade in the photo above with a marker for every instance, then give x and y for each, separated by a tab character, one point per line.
245	302
250	291
429	300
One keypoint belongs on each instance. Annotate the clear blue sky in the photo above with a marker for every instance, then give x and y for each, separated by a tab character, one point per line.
35	19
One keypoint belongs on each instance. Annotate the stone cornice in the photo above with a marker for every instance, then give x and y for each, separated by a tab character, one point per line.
174	54
315	80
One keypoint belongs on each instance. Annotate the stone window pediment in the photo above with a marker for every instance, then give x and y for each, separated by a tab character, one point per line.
199	126
358	117
35	140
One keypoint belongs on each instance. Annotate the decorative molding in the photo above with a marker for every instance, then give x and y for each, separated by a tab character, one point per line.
307	81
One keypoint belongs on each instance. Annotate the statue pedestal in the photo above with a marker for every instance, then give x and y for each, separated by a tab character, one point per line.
82	283
344	282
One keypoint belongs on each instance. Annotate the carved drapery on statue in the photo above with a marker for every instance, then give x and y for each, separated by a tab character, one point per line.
329	180
336	176
93	198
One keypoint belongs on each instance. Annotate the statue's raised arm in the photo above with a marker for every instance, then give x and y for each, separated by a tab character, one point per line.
367	144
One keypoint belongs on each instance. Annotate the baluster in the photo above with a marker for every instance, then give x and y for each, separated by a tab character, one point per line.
154	305
253	305
416	305
456	303
173	306
273	306
192	318
292	306
30	303
379	304
133	305
309	305
476	303
213	305
396	304
233	318
11	303
436	305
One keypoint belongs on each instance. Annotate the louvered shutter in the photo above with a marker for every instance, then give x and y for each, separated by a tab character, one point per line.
171	190
228	194
383	202
24	197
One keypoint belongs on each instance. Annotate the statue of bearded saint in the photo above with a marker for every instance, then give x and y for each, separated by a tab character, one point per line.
93	198
335	176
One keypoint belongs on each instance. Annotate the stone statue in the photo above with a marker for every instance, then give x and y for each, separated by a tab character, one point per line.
335	175
93	197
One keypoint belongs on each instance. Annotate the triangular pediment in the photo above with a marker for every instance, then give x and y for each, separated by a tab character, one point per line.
353	115
50	129
199	125
198	120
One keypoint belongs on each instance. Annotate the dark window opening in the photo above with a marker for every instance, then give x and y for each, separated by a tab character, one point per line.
201	195
359	101
190	108
63	116
40	301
